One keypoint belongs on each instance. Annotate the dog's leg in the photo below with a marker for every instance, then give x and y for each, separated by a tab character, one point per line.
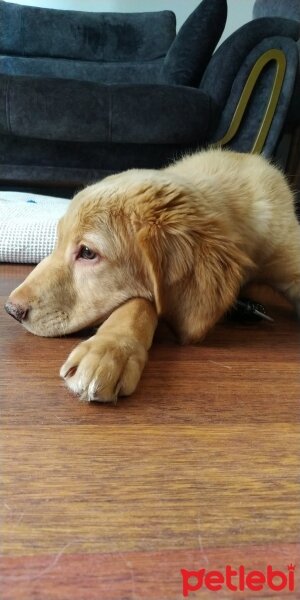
283	272
111	362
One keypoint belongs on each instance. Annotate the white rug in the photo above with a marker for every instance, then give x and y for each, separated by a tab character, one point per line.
28	226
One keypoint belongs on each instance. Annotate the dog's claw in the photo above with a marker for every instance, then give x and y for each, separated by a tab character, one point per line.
70	372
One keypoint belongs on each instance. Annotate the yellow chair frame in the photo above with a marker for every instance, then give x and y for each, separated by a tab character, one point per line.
270	55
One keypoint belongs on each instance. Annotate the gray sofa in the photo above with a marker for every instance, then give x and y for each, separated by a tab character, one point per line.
83	95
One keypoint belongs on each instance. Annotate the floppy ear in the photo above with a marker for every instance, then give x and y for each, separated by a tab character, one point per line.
196	274
167	256
212	288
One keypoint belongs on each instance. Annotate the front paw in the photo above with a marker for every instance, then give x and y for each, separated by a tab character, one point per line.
104	367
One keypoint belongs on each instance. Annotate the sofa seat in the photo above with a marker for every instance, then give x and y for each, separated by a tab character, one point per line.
80	111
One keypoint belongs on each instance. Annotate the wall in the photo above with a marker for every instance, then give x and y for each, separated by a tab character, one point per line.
239	11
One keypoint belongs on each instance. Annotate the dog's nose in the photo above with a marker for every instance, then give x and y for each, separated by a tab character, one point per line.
17	311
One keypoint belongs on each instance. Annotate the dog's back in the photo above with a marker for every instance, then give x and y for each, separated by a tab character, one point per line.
252	195
256	206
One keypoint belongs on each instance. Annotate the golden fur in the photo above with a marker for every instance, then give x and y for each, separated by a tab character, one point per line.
178	242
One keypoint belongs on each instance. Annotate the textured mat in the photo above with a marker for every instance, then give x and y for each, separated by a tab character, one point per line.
28	226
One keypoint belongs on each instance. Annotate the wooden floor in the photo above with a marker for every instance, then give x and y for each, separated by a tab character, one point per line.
198	469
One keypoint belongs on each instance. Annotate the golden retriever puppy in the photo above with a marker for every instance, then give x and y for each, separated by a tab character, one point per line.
178	242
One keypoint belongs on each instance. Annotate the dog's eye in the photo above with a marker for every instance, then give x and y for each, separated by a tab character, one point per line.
86	253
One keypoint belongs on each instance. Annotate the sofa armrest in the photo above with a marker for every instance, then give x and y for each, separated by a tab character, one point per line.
230	56
289	9
256	107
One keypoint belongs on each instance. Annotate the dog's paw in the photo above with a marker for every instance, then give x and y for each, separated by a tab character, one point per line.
104	367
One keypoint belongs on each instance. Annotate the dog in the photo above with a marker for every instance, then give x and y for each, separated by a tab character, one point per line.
177	243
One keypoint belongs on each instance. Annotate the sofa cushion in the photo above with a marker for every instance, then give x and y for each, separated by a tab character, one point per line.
82	111
82	70
193	46
84	35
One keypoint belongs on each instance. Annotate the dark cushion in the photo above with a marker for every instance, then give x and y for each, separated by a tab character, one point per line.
33	31
193	46
81	111
82	70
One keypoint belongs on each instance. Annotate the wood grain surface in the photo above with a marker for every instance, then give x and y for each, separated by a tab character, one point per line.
198	469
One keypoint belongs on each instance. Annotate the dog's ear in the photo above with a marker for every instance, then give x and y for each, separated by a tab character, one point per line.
167	257
219	269
195	271
164	239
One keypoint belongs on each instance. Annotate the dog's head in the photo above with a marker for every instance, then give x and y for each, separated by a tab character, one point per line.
138	234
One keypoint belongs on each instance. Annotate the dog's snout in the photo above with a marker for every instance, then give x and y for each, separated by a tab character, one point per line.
17	311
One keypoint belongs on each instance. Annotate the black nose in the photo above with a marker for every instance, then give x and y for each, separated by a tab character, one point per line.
16	311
